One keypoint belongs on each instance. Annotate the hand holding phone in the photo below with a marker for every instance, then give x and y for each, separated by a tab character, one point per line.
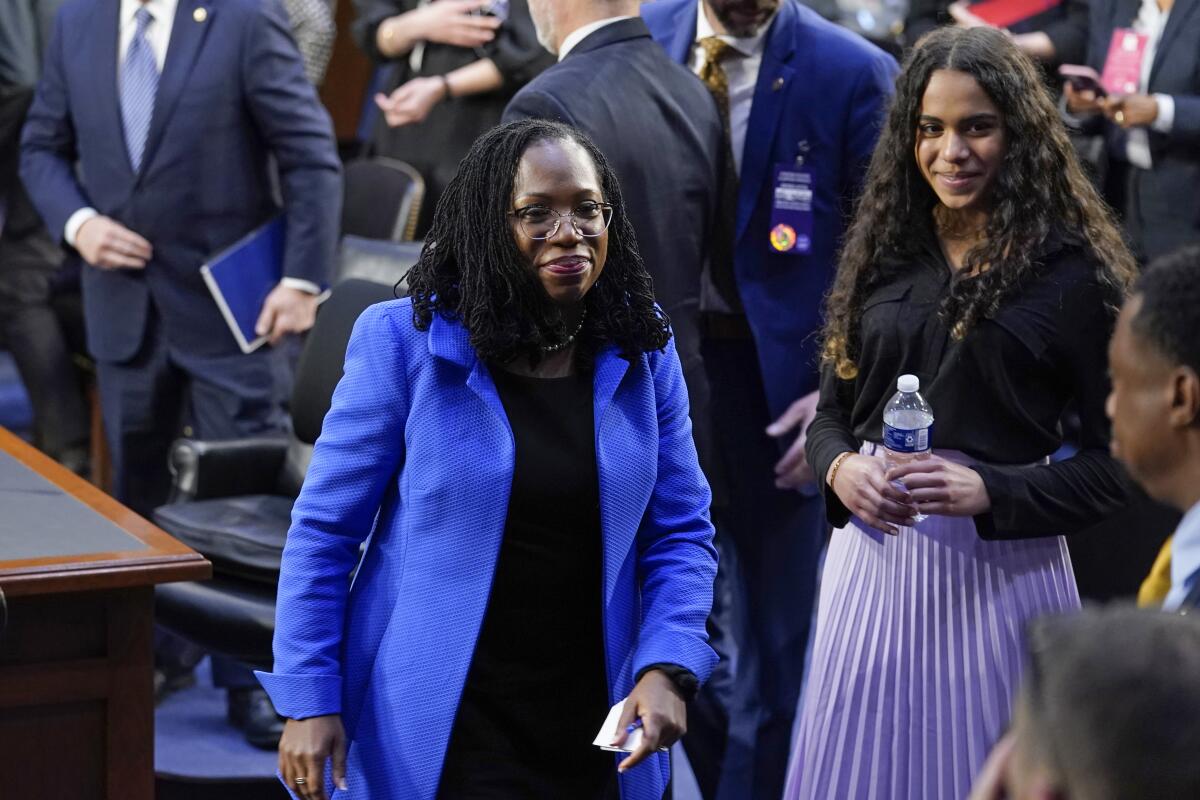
1082	79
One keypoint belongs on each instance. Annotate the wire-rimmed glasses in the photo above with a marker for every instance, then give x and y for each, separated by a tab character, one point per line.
590	219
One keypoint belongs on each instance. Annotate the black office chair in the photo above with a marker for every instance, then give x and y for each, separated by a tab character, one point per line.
382	200
232	500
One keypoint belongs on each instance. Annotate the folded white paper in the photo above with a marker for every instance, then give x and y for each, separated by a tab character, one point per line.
608	732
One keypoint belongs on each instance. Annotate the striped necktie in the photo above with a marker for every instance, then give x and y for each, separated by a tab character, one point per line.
139	84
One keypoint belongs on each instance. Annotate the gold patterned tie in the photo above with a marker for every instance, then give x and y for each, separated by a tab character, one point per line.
713	74
721	255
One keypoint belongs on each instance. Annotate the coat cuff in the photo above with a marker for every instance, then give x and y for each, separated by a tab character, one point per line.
303	696
687	651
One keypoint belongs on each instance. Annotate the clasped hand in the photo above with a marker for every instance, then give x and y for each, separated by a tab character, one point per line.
885	499
1125	110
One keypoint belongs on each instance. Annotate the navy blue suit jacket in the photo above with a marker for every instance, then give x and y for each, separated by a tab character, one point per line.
659	128
1167	196
232	94
827	87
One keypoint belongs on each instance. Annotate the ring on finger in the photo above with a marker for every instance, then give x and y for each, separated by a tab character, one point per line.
1119	117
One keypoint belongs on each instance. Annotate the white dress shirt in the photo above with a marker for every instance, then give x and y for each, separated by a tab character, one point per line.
1185	559
741	70
158	36
1151	20
579	34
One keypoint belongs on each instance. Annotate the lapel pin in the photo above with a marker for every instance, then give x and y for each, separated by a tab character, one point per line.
200	14
777	85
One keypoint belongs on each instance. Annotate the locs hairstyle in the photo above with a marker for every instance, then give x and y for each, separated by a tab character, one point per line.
1040	188
471	270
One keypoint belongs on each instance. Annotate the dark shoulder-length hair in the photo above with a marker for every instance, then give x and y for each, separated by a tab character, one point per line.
470	269
1040	189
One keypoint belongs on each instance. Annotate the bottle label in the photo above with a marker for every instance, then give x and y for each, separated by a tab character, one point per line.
901	440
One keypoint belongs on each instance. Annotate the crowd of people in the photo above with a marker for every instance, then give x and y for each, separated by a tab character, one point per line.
621	441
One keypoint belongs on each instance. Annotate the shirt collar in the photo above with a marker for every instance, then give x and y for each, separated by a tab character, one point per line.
748	46
159	9
579	34
1185	552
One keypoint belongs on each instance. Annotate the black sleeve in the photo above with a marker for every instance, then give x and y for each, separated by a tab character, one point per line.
1069	34
830	435
515	50
686	682
1070	495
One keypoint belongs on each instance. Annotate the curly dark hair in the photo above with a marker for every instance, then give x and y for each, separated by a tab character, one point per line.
1040	189
470	268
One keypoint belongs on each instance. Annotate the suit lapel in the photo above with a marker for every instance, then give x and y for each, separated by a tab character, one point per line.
187	37
1175	23
770	96
106	21
617	528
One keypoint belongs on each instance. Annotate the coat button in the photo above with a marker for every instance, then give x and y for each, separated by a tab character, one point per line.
200	14
777	85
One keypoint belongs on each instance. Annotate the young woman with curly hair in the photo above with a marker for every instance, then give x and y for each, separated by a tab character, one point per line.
981	260
514	440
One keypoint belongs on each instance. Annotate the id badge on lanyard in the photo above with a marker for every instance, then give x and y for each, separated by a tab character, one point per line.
1123	66
792	206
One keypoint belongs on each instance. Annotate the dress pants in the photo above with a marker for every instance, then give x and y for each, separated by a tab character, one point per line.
769	541
149	400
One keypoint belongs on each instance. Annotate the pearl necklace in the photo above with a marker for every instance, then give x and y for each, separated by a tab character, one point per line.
567	342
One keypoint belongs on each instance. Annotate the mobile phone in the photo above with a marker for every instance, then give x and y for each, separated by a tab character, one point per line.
1082	79
496	8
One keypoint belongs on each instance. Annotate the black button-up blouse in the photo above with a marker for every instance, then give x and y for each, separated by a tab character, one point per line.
997	395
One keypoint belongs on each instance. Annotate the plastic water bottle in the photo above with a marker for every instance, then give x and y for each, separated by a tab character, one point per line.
907	424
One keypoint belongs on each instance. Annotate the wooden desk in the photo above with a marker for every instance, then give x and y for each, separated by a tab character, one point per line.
77	573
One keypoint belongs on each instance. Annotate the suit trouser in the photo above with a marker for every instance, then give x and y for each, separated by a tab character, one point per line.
146	403
770	542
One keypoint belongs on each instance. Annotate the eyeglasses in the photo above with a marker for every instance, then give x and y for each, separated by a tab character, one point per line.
589	219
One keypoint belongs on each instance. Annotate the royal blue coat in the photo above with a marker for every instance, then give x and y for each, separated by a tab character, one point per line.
416	453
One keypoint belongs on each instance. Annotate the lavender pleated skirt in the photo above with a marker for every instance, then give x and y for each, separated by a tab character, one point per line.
917	656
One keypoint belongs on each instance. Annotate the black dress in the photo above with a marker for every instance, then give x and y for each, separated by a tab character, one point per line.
537	691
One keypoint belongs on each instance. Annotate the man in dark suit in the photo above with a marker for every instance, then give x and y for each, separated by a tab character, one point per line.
803	102
151	145
659	129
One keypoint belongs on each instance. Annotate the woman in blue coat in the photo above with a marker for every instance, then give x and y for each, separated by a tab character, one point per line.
512	443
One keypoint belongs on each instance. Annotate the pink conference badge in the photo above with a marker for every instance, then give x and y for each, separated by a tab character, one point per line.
1123	67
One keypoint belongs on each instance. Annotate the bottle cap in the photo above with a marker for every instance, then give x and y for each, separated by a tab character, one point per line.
908	384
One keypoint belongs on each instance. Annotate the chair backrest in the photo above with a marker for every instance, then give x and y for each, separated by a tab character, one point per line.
382	199
375	260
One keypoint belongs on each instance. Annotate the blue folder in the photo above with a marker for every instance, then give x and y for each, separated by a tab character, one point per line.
241	276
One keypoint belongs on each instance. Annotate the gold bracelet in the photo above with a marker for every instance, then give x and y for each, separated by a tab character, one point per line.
837	464
387	30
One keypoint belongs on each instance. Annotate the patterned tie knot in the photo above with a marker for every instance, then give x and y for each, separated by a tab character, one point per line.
715	48
143	18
